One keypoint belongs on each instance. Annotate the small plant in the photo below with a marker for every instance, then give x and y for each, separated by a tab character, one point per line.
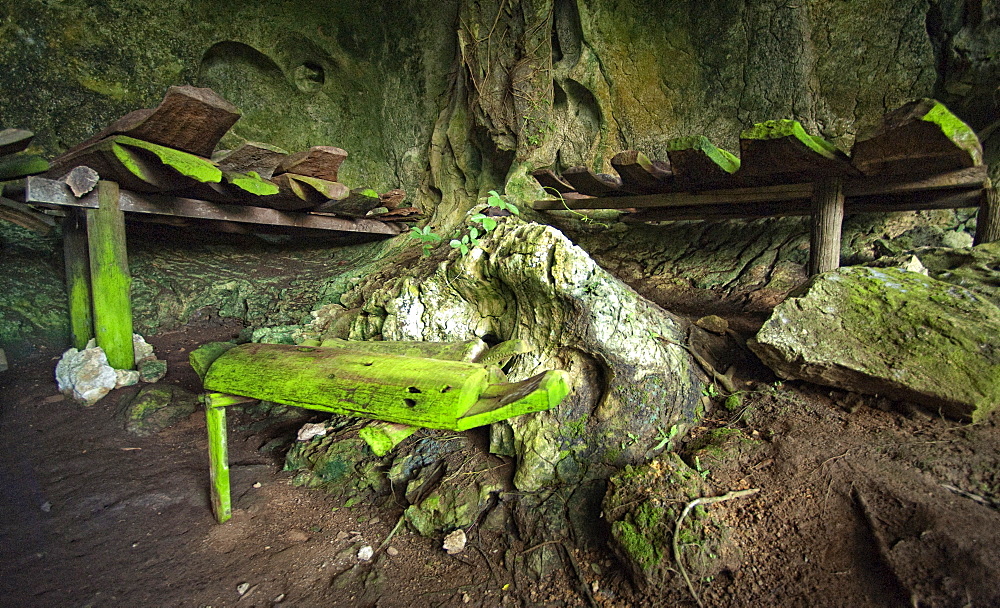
483	224
427	237
711	391
665	437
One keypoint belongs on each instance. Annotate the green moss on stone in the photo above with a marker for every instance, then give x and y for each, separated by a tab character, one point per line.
636	544
775	129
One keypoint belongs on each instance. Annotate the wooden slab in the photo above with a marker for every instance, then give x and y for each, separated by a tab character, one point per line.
781	151
923	136
321	162
254	157
640	175
357	203
551	182
14	140
696	162
586	181
25	217
189	118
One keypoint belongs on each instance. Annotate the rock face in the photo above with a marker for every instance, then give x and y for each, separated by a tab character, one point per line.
632	381
890	332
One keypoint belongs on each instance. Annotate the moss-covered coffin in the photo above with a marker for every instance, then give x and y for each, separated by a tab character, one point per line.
408	390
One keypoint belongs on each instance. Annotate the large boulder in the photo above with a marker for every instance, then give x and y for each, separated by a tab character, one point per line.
890	332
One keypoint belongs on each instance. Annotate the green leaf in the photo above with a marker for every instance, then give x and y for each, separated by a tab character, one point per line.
489	223
456	243
473	233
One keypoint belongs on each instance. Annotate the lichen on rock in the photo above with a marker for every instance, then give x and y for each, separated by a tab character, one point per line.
890	332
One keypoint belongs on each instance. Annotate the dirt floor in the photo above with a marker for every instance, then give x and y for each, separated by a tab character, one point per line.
861	502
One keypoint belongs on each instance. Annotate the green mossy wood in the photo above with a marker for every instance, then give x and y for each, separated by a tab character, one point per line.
783	150
81	316
423	392
14	140
110	278
21	165
695	160
923	136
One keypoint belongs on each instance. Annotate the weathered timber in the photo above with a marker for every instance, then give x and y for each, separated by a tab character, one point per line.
918	201
22	165
218	462
923	136
585	181
966	179
14	140
189	118
781	151
81	180
827	220
357	203
25	217
640	175
551	182
321	162
409	390
468	350
988	220
42	190
402	214
235	188
139	165
695	161
77	264
252	157
293	195
392	199
110	278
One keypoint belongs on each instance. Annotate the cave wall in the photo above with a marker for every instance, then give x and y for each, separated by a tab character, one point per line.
451	99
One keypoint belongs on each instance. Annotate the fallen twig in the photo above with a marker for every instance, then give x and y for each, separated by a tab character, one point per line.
708	500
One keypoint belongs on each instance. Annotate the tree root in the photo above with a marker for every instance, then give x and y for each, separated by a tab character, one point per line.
680	521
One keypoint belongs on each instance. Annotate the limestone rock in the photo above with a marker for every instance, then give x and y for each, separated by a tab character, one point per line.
85	376
142	349
454	543
893	333
714	324
126	377
157	407
976	268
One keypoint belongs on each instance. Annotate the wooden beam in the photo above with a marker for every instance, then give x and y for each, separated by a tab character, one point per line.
695	161
110	278
780	151
25	217
988	221
322	162
14	140
77	260
586	181
47	191
218	462
827	221
549	181
640	175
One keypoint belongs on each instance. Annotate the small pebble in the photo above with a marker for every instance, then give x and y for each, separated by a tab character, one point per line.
392	551
242	588
366	553
455	542
279	599
257	485
46	506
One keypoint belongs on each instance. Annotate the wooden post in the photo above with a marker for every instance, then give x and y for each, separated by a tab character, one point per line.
827	219
81	320
218	460
988	221
110	278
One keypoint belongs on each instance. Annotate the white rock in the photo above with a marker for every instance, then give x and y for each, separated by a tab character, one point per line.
126	377
366	553
310	430
142	349
455	542
85	376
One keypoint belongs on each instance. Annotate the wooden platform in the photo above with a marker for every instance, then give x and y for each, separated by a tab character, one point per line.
920	157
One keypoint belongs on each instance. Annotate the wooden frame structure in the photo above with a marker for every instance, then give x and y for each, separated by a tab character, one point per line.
97	273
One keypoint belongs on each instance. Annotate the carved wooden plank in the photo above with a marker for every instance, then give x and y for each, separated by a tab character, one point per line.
322	162
21	165
781	151
25	217
77	266
988	220
189	118
357	203
255	157
551	182
586	181
731	196
14	140
695	161
640	175
81	180
923	136
393	199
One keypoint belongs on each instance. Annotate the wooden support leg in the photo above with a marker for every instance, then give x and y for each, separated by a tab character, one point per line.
988	221
110	277
81	320
218	461
827	220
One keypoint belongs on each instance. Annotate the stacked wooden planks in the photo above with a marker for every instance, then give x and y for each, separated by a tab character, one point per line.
920	157
15	163
170	150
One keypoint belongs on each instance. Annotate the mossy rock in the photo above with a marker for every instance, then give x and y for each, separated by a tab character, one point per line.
157	407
